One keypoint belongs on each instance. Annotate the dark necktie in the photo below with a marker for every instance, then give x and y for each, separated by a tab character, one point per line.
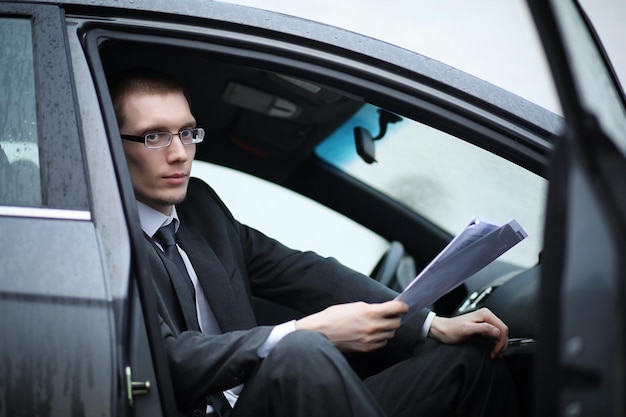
166	236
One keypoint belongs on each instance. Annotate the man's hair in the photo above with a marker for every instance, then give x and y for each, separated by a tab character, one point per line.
142	80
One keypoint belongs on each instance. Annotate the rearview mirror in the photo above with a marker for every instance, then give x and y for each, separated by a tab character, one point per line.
365	141
365	144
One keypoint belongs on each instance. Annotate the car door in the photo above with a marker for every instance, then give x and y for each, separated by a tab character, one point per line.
58	347
74	338
581	358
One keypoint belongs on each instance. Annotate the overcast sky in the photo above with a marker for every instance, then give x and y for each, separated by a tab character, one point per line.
492	39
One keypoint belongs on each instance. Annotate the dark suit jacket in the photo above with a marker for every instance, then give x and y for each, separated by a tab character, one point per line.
234	262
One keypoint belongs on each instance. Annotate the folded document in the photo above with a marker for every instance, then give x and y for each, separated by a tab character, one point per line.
479	244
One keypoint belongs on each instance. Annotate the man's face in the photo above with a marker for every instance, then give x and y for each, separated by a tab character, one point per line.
159	176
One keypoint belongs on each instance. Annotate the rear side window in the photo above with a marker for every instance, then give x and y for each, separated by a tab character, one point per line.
20	183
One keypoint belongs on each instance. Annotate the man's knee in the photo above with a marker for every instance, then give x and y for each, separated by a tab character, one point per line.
304	353
301	346
304	374
301	341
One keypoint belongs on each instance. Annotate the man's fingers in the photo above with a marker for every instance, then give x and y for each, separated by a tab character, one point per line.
501	339
499	331
485	329
390	308
480	322
491	318
500	347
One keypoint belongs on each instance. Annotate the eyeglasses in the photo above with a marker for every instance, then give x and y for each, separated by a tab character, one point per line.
156	140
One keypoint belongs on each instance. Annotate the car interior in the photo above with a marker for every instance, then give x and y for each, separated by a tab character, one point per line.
266	118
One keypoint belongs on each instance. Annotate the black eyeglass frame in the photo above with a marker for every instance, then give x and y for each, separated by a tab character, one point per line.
197	136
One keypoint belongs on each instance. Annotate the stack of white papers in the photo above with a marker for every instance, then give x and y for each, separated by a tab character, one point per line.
479	244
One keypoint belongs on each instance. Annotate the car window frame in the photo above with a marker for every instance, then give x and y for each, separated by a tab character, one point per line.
526	138
456	113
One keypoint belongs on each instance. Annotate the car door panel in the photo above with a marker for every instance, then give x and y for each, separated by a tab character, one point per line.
581	359
59	350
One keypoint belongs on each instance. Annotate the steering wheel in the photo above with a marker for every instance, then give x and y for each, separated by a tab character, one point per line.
385	270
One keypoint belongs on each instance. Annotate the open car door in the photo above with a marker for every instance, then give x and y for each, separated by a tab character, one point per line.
580	367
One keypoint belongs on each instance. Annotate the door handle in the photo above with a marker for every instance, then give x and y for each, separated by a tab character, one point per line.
134	388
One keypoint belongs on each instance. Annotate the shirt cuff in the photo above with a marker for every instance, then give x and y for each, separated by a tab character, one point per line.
426	326
276	335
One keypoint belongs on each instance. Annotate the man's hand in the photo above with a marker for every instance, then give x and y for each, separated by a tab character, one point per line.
357	327
460	328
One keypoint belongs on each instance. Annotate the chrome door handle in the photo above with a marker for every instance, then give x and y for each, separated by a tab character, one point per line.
134	388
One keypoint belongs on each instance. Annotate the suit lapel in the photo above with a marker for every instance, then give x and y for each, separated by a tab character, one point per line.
215	281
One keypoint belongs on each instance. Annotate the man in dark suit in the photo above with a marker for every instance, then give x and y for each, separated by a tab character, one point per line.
347	355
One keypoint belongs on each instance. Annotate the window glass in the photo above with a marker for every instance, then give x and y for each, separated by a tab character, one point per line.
446	180
20	182
598	92
291	218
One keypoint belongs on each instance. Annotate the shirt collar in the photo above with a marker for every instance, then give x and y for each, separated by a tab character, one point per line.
152	220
